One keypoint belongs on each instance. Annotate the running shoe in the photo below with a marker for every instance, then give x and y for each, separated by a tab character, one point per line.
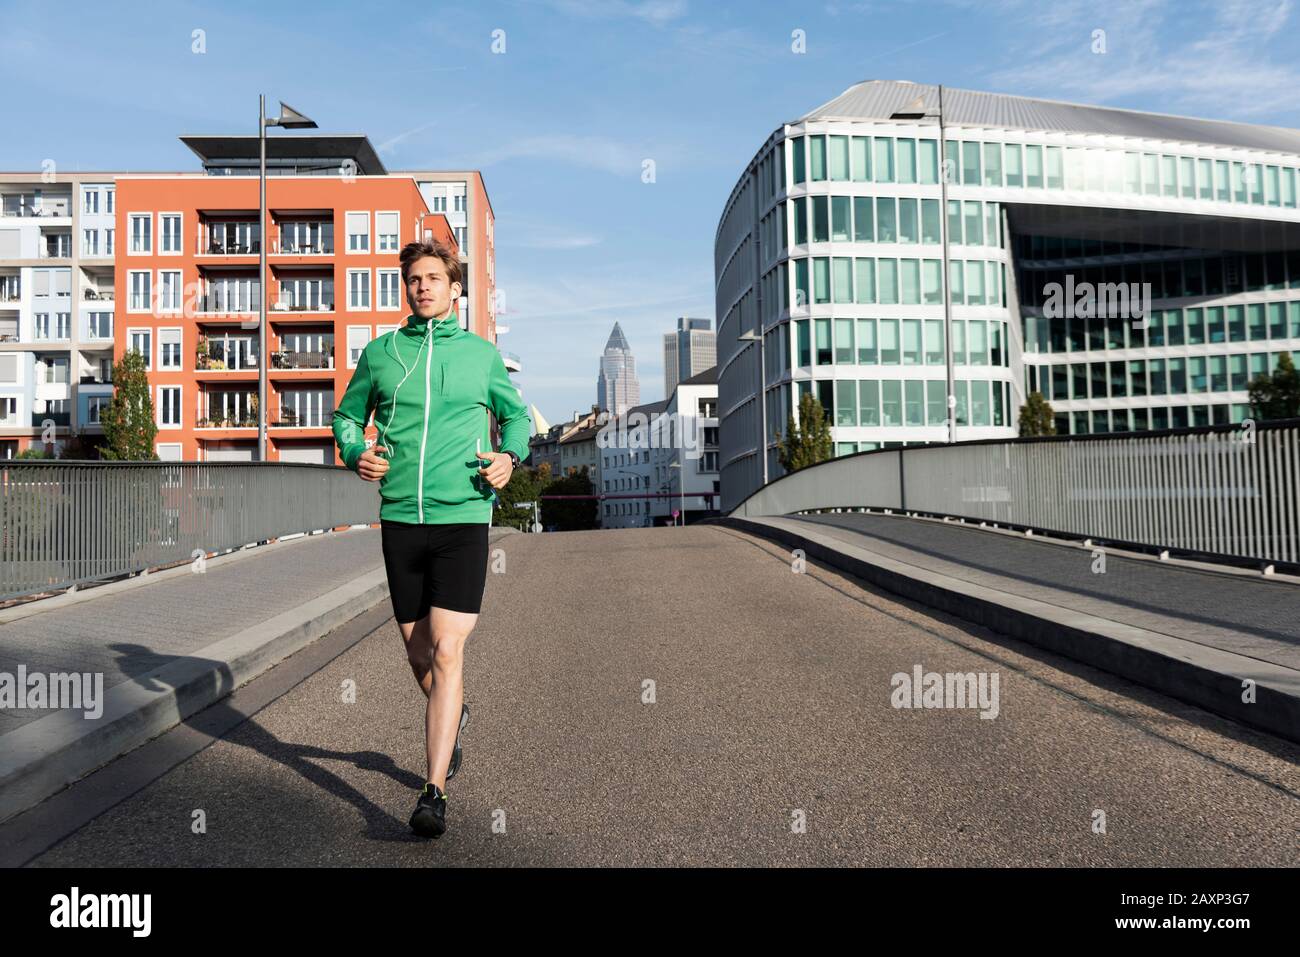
430	817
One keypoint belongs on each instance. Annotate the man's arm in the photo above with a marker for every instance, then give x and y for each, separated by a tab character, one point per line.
353	413
510	411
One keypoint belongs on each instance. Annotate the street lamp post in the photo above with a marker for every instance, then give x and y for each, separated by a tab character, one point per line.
914	111
289	119
762	394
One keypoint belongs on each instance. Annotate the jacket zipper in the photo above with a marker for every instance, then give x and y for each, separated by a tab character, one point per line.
424	435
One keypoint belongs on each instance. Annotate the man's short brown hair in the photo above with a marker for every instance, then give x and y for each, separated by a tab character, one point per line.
418	250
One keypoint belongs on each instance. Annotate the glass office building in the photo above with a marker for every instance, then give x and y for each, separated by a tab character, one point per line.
1137	269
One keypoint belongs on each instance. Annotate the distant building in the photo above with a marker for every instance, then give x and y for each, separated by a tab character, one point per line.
544	447
688	351
617	387
627	465
663	456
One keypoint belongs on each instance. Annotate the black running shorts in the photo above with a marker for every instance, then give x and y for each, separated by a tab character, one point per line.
444	566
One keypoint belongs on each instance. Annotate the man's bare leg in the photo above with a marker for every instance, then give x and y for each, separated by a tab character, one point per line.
435	649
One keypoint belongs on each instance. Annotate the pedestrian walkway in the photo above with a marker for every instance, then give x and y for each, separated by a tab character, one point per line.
1240	612
126	633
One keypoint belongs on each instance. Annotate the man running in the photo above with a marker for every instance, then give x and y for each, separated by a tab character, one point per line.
430	386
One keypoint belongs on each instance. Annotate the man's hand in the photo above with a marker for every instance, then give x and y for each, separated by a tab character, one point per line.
499	470
372	466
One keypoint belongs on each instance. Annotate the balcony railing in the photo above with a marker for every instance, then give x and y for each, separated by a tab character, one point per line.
212	247
56	251
289	419
222	305
98	295
302	360
27	210
325	304
224	420
291	247
58	418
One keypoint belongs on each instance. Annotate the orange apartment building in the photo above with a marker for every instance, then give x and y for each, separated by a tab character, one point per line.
186	271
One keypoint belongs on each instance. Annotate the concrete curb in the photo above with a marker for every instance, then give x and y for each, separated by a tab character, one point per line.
46	755
1206	677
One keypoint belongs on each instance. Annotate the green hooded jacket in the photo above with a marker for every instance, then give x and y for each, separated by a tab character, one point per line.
430	385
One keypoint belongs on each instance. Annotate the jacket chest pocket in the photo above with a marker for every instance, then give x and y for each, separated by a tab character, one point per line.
458	384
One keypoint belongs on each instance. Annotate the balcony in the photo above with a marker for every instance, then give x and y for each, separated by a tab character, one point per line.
58	418
228	238
91	294
289	419
55	247
226	355
323	303
31	206
289	359
222	305
225	420
304	239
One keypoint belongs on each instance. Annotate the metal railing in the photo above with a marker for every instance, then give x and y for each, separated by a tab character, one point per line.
68	523
1222	492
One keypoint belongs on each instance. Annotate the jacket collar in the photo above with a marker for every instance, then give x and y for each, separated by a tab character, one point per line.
442	328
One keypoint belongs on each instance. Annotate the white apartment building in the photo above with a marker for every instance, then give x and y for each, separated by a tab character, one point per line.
664	457
57	307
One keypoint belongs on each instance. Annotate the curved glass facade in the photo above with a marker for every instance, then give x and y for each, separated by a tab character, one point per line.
834	243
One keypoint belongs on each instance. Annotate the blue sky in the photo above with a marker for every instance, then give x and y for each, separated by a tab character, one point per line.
561	122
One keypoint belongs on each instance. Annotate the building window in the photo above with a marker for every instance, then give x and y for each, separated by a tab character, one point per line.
358	336
56	371
141	341
90	200
95	404
390	288
169	407
461	236
90	242
169	348
358	232
108	240
99	325
141	286
141	226
460	202
386	231
169	290
169	226
358	289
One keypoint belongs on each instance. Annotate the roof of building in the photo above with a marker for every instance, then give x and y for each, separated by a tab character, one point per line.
582	434
290	146
708	377
880	99
617	340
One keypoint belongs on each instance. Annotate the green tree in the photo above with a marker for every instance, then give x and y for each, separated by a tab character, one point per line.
807	441
569	515
1276	396
128	419
522	487
1036	416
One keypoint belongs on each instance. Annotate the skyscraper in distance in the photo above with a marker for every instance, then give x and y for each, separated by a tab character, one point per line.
617	387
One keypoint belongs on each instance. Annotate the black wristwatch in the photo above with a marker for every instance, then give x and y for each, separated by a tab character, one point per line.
514	458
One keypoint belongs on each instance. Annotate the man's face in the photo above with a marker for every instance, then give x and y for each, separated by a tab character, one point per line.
427	291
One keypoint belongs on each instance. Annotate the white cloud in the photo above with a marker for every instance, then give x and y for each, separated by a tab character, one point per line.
1155	52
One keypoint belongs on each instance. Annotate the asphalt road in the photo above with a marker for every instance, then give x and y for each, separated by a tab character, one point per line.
771	739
